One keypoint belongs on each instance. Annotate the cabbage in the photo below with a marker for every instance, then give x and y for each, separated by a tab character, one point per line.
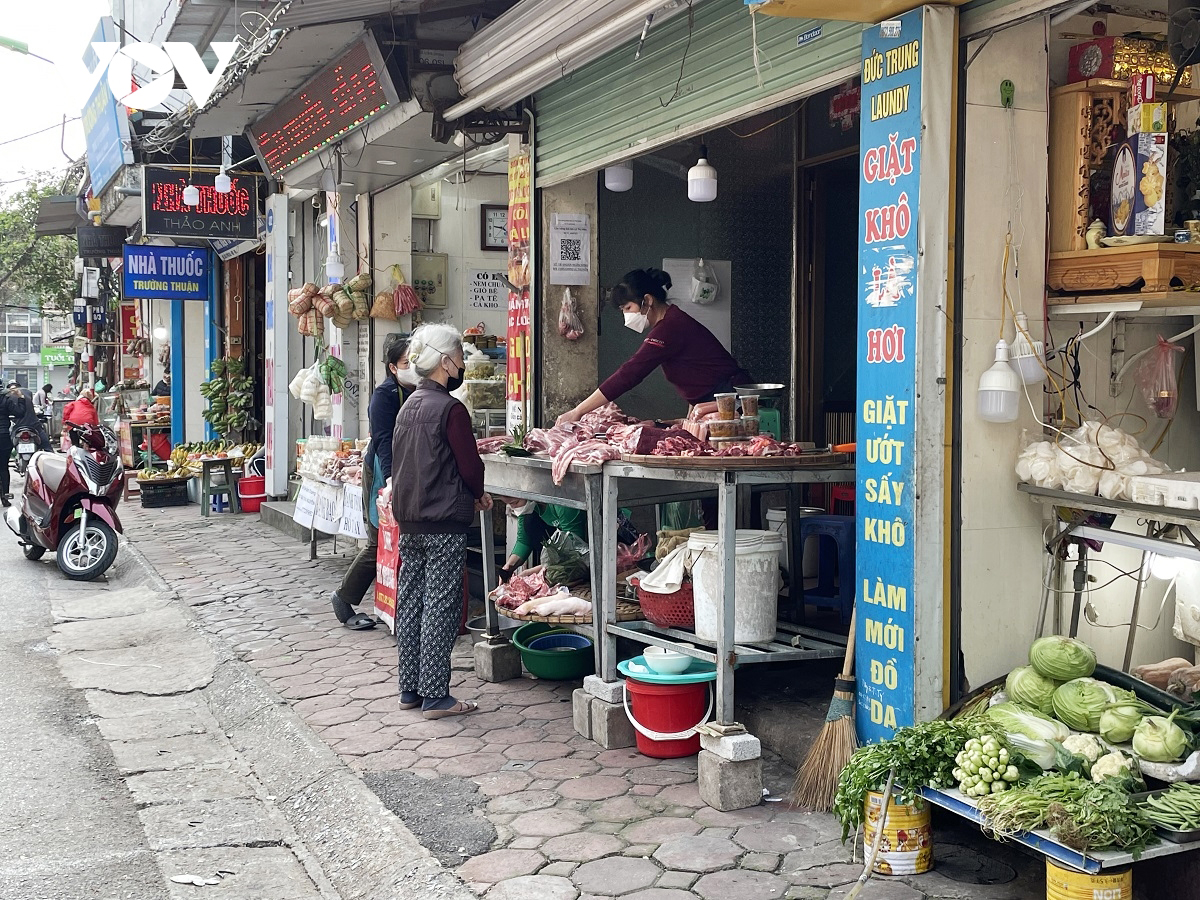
1030	688
1159	739
1080	702
1062	658
1012	719
1041	752
1118	722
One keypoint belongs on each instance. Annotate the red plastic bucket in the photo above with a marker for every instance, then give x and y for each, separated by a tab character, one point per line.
667	709
252	490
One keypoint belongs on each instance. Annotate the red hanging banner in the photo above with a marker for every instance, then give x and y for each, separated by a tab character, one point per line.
519	325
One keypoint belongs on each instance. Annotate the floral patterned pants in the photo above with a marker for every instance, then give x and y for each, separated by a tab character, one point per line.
429	599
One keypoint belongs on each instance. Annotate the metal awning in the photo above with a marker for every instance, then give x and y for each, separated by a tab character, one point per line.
538	42
323	12
58	215
843	10
200	22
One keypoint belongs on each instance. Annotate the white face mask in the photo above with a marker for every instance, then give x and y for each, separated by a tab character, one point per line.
408	377
636	321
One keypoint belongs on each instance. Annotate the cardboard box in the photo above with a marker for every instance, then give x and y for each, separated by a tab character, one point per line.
1139	186
1141	89
1122	58
1147	118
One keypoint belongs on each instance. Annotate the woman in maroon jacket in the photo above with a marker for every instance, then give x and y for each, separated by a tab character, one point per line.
437	487
692	359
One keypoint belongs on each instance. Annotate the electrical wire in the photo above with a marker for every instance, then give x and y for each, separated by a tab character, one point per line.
39	131
758	131
683	62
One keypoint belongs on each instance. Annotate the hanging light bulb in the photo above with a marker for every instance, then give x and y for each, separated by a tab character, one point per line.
1028	356
222	184
999	389
702	179
160	332
619	178
1163	566
334	268
191	195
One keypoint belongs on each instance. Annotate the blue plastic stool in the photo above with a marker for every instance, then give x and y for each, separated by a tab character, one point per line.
835	535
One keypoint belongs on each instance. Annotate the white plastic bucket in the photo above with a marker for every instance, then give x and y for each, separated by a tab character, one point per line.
756	584
777	522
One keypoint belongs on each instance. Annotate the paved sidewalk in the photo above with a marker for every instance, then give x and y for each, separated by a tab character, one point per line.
511	798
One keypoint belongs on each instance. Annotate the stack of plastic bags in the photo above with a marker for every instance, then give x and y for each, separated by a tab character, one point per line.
1094	459
309	387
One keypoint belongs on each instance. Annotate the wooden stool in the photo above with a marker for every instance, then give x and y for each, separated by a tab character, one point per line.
209	490
132	488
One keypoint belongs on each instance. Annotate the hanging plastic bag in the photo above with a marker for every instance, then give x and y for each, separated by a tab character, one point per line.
570	324
1156	377
566	557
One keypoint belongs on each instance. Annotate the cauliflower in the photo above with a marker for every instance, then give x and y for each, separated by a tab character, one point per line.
1111	765
1088	746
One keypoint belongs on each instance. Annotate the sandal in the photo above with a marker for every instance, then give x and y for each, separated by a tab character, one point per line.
412	703
360	622
462	707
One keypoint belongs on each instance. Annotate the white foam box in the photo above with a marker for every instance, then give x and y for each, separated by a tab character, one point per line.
1177	490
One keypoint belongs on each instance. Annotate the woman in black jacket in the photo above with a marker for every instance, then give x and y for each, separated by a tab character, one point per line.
385	404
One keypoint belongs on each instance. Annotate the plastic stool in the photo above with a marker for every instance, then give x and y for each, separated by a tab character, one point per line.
835	535
212	493
841	493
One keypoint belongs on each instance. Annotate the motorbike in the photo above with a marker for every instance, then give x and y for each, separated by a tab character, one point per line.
26	441
69	504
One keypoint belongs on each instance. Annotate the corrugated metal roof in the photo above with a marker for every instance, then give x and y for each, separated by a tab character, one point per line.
613	108
320	12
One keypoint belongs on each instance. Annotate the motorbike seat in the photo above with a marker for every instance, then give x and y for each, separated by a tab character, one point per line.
52	467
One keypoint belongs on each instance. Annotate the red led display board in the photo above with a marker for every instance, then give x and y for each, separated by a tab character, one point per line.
231	216
345	95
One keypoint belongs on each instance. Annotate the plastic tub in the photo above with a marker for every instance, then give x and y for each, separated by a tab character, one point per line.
749	404
750	425
777	522
756	584
726	406
553	665
665	716
252	490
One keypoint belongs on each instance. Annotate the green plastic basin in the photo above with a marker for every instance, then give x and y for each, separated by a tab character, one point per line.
553	665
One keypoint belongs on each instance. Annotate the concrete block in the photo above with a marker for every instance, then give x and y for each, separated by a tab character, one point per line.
497	662
608	691
611	728
581	712
727	785
733	747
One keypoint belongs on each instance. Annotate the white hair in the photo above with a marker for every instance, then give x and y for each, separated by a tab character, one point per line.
429	343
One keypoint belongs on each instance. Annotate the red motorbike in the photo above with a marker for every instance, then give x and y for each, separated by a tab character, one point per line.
69	504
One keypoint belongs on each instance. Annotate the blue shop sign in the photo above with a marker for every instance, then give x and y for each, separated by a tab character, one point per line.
890	147
166	273
105	124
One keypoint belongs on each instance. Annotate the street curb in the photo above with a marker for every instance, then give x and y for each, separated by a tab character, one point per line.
364	850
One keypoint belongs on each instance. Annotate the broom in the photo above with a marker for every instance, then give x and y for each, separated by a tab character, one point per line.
816	781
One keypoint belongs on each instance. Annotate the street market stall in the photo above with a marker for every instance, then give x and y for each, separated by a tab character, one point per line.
329	499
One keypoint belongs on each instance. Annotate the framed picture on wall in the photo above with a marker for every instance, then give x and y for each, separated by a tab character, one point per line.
493	227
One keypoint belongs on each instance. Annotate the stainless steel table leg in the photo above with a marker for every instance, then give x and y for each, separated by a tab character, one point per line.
487	546
1137	605
1080	580
608	577
597	526
727	568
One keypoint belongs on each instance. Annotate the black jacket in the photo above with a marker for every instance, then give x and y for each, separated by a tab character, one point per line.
429	493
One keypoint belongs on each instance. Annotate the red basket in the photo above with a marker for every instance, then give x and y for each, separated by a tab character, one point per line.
677	610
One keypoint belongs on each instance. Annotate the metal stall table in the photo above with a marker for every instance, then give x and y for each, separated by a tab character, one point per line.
654	481
530	478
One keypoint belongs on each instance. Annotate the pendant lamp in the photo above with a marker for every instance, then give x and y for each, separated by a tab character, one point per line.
619	178
334	268
702	179
191	193
1028	356
222	184
1000	389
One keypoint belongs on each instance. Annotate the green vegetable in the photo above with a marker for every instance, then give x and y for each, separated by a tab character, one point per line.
1081	702
1030	688
921	755
1081	814
1176	809
1062	658
983	767
1043	753
1159	739
1086	745
1013	719
1117	723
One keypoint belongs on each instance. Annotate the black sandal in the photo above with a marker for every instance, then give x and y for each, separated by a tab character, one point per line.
360	622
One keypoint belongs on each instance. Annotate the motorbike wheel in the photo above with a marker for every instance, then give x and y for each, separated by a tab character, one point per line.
33	552
22	465
85	557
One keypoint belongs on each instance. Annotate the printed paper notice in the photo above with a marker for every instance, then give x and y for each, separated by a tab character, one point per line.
485	290
570	249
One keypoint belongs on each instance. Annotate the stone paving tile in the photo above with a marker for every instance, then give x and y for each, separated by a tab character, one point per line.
742	885
501	865
548	823
593	787
704	853
614	876
775	837
581	847
534	887
659	829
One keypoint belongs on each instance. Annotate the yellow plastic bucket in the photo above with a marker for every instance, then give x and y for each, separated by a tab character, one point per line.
907	844
1067	884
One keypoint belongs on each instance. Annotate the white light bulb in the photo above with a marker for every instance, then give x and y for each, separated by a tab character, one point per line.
1162	566
222	184
702	179
334	268
999	389
160	332
619	178
191	195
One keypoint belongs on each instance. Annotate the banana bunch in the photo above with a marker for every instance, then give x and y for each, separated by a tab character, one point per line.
333	373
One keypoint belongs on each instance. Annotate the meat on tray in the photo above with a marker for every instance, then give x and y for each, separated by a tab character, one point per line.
588	452
520	588
678	442
492	444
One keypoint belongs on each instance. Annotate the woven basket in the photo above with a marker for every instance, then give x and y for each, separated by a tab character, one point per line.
675	610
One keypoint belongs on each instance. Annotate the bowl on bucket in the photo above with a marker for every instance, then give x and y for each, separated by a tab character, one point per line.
666	662
558	655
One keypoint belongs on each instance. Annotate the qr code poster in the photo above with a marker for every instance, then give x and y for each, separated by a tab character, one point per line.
570	249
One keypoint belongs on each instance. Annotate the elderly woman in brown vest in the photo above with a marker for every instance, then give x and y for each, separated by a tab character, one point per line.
437	487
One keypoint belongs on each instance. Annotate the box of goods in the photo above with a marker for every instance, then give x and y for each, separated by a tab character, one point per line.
1178	490
1146	118
1120	59
485	394
480	370
164	492
1137	201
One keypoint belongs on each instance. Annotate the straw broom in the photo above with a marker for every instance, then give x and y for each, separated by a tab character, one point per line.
816	781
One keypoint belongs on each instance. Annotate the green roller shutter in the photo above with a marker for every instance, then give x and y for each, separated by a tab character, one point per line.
598	114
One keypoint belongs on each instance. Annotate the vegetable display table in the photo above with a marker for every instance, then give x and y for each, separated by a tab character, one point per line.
733	758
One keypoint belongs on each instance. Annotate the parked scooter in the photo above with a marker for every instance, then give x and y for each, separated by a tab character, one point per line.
26	442
69	504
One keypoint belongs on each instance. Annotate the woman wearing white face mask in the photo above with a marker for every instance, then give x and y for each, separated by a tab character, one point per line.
385	404
692	359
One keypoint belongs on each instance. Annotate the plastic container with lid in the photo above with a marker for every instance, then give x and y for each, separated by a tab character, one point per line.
726	406
485	394
756	585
